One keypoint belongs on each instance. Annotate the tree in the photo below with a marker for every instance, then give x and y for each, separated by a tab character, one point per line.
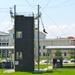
58	53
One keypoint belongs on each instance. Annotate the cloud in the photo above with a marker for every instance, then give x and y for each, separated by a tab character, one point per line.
60	31
5	26
53	30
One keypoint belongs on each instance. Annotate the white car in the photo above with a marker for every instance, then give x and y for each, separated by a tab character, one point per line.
65	61
72	60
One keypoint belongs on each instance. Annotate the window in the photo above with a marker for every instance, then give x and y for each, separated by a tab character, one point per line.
43	53
13	36
0	44
58	60
19	55
48	54
39	47
64	53
19	34
39	54
7	44
43	47
4	44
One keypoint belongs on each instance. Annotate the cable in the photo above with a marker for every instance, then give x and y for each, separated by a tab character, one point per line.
62	6
46	5
51	31
29	4
7	27
59	4
3	17
46	27
43	26
54	22
3	11
4	8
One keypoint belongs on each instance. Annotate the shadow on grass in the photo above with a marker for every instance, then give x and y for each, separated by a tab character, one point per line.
38	72
41	72
49	71
57	71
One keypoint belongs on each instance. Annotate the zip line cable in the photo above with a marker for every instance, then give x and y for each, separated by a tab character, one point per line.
51	31
55	23
47	28
43	27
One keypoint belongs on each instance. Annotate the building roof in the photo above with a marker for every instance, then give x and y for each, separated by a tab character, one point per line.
60	47
7	47
3	33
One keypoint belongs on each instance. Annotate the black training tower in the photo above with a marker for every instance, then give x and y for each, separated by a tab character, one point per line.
24	43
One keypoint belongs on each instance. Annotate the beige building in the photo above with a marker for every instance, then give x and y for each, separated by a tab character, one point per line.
11	37
4	41
70	41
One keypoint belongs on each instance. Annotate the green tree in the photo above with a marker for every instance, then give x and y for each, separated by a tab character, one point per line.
0	55
58	53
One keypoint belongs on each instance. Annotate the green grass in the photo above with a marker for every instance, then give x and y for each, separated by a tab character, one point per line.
50	72
68	64
42	66
1	71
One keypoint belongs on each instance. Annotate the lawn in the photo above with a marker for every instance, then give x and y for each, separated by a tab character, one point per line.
68	64
42	66
50	72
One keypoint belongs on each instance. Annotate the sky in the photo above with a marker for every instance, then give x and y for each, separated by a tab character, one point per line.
58	16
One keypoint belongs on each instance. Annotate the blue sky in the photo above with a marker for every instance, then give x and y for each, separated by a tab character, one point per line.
58	15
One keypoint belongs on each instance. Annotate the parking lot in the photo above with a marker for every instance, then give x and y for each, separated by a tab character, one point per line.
50	62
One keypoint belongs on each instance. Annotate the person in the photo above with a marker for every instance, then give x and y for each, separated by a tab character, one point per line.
54	65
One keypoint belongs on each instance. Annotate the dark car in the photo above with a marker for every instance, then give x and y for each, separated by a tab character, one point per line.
46	61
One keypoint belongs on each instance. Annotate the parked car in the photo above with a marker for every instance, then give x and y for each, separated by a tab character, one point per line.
46	61
72	60
65	61
51	61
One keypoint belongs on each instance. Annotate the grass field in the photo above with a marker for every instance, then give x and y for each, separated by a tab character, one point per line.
42	66
68	64
50	72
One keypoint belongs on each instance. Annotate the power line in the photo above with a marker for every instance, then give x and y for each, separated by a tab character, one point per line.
62	6
7	27
4	8
55	23
3	17
30	4
3	11
59	4
46	4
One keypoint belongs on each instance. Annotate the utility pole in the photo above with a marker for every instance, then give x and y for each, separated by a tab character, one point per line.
38	42
14	32
14	10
